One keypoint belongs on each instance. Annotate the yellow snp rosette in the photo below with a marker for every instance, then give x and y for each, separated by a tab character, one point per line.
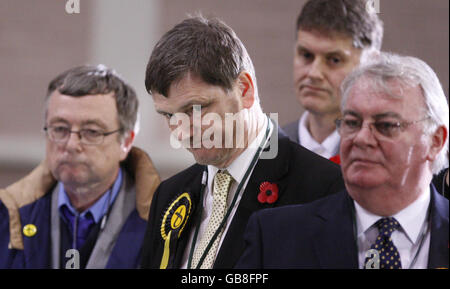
173	223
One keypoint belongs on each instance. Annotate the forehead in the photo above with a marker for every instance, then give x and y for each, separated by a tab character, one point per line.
189	90
365	97
76	110
319	42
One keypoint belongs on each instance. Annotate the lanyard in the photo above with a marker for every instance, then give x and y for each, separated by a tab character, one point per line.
424	231
233	203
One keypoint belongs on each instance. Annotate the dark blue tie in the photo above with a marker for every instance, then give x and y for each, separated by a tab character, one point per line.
389	256
84	225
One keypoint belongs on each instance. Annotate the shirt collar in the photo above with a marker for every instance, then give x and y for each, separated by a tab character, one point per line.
411	218
240	165
328	148
99	208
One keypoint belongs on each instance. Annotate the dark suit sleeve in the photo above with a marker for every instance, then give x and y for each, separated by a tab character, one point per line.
252	256
337	185
148	246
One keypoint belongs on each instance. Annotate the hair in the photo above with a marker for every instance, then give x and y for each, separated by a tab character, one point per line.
410	71
206	48
354	18
91	80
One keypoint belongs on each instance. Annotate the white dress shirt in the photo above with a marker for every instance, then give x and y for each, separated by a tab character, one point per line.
237	170
327	149
413	238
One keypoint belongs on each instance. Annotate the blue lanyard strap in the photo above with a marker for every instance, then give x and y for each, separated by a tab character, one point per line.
233	203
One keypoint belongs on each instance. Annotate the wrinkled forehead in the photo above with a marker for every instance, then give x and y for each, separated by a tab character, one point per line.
79	109
384	95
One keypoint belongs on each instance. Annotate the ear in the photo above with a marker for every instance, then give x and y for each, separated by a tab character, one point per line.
246	89
438	140
126	145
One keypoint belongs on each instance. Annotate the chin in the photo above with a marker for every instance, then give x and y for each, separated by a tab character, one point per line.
71	175
364	180
313	105
205	156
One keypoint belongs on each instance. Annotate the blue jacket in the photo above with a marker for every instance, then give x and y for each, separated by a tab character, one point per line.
5	258
37	249
28	201
320	235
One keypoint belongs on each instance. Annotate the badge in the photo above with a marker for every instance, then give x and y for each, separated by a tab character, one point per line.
173	222
268	193
29	230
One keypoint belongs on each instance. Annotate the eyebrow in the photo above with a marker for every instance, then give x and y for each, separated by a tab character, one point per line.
193	102
387	114
333	52
58	119
197	101
97	122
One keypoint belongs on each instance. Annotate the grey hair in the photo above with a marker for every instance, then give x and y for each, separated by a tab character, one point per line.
410	71
85	80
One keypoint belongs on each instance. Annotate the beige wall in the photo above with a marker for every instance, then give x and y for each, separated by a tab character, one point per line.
38	40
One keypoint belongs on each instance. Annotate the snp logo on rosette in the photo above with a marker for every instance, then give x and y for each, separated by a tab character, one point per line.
173	222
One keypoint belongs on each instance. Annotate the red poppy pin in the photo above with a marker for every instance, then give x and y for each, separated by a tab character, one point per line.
336	159
268	193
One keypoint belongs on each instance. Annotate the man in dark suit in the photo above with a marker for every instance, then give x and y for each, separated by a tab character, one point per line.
333	38
199	75
390	215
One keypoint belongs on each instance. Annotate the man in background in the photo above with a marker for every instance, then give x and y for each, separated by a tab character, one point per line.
333	38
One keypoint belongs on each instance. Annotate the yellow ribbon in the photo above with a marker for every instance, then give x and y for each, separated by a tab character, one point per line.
165	258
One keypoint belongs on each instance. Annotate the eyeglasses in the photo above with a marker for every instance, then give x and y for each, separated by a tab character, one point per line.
389	129
61	134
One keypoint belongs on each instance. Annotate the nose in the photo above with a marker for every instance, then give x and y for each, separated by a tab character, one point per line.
74	142
315	69
365	137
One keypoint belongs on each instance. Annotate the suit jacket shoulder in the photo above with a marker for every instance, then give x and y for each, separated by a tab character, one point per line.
291	130
314	235
439	252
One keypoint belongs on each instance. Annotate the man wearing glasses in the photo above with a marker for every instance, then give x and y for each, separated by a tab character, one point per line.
88	201
394	137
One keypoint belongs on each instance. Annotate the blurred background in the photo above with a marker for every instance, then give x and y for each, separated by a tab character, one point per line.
39	39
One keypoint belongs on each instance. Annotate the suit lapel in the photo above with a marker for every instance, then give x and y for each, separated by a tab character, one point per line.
194	188
438	255
335	244
270	170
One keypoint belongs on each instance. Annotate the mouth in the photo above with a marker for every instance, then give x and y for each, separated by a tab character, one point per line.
312	88
70	163
363	161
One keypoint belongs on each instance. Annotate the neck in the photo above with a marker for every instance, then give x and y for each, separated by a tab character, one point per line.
321	126
385	202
